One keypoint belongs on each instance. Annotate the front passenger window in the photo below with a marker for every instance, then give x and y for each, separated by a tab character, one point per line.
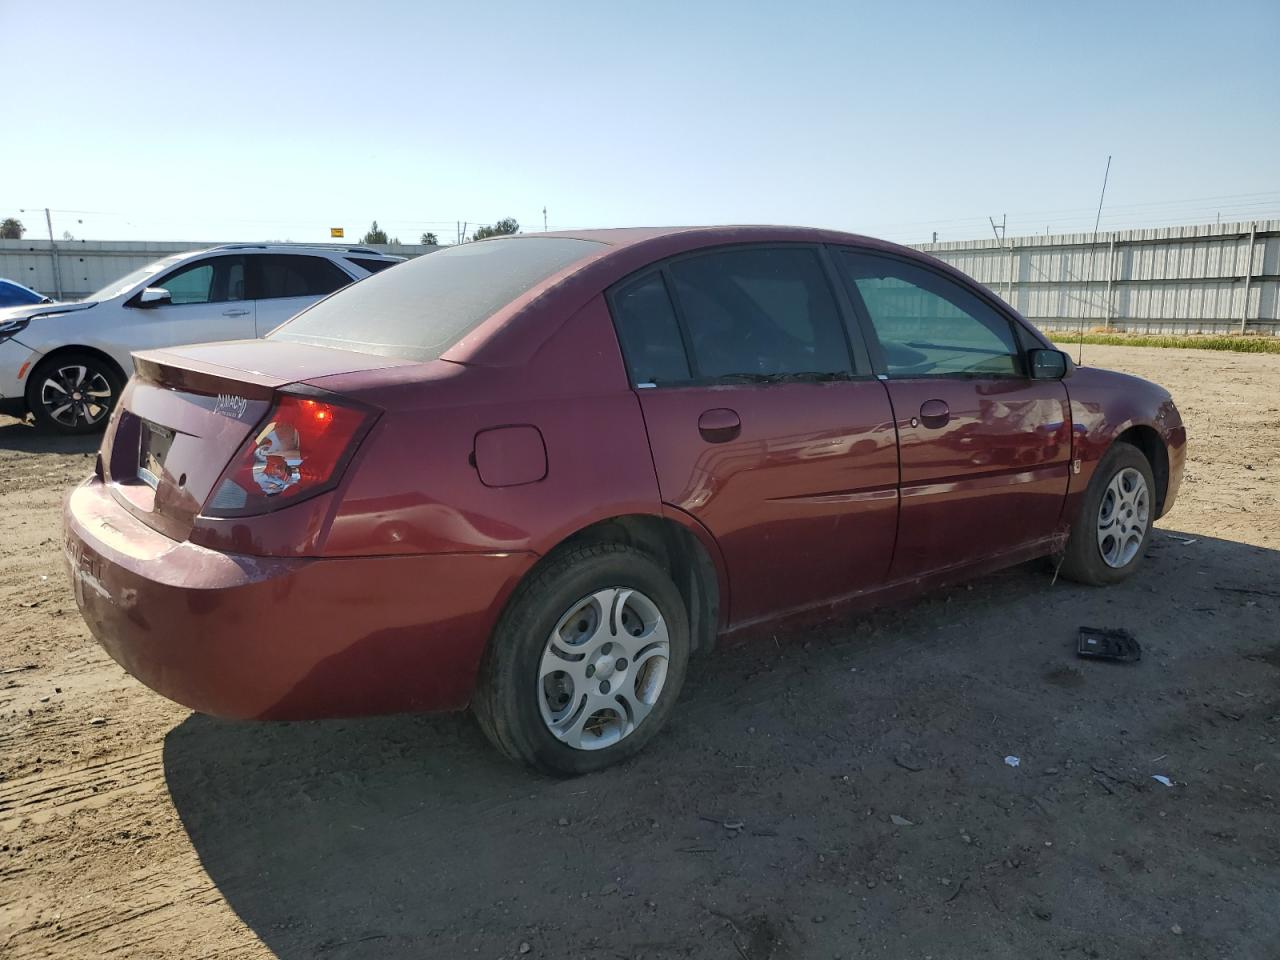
215	280
928	325
193	285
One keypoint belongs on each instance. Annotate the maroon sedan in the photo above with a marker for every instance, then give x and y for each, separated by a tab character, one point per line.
535	474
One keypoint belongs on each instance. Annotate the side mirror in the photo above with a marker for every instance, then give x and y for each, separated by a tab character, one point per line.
1048	364
154	297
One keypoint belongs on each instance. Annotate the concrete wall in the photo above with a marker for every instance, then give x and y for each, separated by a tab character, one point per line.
88	265
1214	278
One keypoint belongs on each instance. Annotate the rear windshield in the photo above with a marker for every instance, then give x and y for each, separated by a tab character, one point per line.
426	305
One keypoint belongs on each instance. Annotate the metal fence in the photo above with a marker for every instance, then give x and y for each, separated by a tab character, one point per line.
1212	278
73	269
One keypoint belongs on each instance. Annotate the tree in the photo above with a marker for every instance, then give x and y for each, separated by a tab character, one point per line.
430	239
502	228
11	229
375	235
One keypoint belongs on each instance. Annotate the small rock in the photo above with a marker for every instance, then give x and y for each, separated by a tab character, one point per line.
524	946
900	821
563	821
1176	930
819	918
966	838
871	883
44	699
608	888
1050	771
97	721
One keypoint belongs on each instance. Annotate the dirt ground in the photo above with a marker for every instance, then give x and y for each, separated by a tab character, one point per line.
767	822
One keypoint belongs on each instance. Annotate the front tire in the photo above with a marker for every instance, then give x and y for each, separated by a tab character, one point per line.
73	393
587	662
1110	536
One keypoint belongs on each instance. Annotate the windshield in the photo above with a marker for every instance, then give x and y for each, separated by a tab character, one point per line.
117	287
419	309
15	294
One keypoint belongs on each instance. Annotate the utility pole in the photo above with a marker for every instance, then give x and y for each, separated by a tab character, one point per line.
544	219
1001	230
53	254
1093	246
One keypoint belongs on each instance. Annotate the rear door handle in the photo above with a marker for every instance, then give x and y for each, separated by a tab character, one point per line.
235	313
719	425
934	414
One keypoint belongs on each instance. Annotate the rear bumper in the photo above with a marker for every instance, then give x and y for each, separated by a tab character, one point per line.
265	638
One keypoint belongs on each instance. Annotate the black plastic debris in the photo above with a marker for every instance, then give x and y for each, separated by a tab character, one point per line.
1095	643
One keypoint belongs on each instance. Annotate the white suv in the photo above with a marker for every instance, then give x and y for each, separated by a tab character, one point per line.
67	362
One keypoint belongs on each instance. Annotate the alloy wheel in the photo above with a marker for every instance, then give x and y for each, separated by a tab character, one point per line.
75	394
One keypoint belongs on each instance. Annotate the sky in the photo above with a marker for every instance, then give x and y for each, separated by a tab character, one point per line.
276	120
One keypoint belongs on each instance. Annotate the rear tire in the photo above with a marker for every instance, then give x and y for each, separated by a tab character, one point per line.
1111	534
586	663
73	393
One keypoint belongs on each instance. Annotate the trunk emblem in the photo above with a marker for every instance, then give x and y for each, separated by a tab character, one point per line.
229	405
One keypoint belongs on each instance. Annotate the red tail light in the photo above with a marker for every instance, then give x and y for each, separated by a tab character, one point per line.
298	450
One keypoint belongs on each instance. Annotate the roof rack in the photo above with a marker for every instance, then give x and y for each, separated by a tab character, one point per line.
336	247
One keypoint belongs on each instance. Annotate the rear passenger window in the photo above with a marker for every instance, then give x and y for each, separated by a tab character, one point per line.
760	311
928	325
373	266
294	275
648	332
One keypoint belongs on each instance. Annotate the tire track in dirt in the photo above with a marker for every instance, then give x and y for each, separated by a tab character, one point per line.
96	861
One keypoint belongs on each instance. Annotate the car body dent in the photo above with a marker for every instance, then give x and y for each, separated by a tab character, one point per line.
1105	404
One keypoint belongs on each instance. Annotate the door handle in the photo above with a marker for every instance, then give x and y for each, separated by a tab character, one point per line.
934	414
235	313
719	425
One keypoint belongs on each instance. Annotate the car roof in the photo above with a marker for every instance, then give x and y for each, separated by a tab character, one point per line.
730	233
514	333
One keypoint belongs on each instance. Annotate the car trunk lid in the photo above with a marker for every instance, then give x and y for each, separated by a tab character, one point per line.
189	410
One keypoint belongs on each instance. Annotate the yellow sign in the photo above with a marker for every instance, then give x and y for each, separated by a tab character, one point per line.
335	231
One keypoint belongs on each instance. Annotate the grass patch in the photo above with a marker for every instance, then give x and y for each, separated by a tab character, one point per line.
1233	343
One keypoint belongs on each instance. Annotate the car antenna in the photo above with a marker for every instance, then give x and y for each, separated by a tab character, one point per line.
1092	249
